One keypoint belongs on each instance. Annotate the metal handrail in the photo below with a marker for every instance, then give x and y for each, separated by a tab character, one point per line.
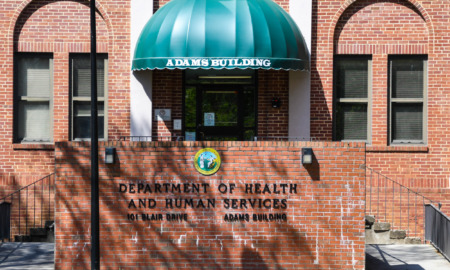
181	138
20	189
437	225
151	138
26	188
390	203
284	138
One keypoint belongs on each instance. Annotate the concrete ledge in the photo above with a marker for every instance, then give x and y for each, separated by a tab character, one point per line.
398	234
381	226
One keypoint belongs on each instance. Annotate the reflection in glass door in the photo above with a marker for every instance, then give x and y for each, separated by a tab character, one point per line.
219	113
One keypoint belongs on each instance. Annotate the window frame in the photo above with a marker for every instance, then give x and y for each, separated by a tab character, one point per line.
73	99
423	100
30	99
337	100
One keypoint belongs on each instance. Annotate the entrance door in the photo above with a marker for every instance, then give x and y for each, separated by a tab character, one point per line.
219	105
220	114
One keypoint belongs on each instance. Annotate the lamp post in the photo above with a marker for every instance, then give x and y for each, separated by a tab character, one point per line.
95	232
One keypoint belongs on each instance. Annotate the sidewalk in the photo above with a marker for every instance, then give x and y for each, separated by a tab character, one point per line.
378	257
27	256
402	257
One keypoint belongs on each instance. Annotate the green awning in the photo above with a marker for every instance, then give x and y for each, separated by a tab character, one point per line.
220	34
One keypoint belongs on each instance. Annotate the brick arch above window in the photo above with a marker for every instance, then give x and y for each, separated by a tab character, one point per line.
49	26
381	26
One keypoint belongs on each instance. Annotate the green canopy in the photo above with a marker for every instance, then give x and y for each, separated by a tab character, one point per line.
220	34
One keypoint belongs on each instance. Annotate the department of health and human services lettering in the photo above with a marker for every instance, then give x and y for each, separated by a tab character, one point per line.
181	196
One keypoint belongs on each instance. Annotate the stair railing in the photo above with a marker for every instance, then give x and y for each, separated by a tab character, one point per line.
41	195
437	226
174	138
390	201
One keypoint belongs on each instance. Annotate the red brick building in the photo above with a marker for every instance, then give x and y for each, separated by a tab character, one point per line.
386	34
51	37
375	73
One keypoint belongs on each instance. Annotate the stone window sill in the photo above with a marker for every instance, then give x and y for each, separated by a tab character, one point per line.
34	146
397	148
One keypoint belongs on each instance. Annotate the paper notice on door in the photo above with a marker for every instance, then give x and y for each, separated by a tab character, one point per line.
209	120
189	136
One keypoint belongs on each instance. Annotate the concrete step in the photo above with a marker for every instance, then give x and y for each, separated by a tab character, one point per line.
380	233
38	234
22	238
46	234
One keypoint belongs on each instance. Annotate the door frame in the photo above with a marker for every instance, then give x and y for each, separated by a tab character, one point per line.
253	83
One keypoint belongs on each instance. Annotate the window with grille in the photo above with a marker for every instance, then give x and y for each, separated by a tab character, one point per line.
80	84
33	97
407	82
352	83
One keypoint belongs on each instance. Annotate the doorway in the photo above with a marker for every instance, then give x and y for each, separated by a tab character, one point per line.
219	105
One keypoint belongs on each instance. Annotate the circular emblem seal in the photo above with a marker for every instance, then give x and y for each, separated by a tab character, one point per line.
207	161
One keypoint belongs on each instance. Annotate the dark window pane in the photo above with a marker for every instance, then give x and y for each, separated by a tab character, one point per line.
82	127
82	120
82	76
249	107
222	106
352	78
190	106
249	135
407	78
407	122
351	122
83	108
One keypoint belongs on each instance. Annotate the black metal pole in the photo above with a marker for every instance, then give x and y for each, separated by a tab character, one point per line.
95	227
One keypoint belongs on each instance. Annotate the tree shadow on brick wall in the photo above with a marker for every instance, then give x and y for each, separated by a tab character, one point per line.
252	260
164	245
203	241
286	236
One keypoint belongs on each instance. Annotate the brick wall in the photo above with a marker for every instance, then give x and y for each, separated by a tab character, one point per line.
167	94
61	28
273	122
380	29
323	228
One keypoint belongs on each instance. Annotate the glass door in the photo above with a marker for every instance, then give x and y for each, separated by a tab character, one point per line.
219	105
219	115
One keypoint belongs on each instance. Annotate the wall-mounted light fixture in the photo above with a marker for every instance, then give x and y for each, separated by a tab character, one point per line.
276	103
307	156
110	153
